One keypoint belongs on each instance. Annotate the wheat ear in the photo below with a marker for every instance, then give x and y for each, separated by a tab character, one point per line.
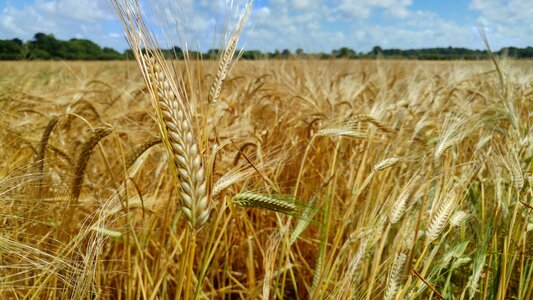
515	169
181	144
303	221
441	218
139	150
270	202
83	158
458	218
401	203
388	162
229	53
223	68
42	150
394	276
447	207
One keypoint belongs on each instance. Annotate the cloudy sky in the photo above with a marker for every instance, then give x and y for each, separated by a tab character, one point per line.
313	25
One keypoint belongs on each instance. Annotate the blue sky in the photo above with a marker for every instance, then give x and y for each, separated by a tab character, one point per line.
313	25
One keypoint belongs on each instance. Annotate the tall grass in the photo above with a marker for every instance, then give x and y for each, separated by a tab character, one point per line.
323	179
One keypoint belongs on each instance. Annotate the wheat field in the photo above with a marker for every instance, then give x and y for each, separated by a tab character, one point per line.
321	180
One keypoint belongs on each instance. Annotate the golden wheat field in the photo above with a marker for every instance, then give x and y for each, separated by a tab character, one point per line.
321	180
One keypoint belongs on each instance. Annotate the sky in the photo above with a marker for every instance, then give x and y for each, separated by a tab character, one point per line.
312	25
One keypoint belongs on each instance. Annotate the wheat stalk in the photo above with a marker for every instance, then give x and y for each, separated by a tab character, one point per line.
401	204
270	260
369	119
355	127
270	202
515	169
41	154
83	159
386	163
342	131
345	286
452	133
447	207
442	216
139	150
394	276
458	218
228	54
222	71
181	144
303	221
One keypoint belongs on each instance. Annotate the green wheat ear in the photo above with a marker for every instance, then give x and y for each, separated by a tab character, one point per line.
285	204
304	220
279	203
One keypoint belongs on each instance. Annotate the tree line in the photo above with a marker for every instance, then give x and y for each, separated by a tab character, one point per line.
47	47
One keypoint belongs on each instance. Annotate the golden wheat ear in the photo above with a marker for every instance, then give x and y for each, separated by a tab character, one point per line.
180	139
173	114
226	59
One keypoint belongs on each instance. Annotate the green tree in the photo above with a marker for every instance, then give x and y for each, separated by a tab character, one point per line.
376	50
10	49
110	54
45	46
286	53
212	54
81	49
276	54
252	55
345	52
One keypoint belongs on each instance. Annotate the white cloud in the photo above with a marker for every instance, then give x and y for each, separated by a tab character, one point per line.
63	18
314	25
346	23
363	9
280	24
303	4
506	22
319	25
49	15
81	10
23	22
423	31
287	24
196	23
505	12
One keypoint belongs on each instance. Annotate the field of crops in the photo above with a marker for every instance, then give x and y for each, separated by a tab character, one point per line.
321	180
